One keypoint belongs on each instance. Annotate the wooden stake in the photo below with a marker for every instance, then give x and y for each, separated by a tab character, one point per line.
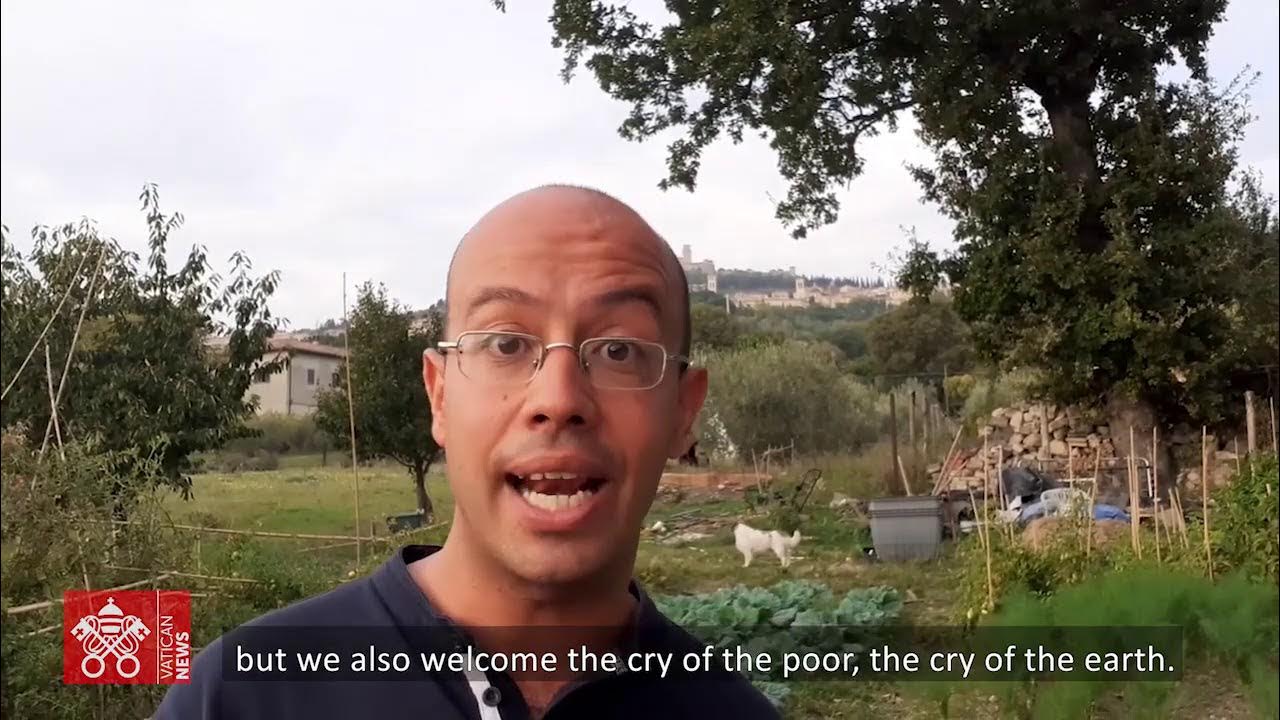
985	539
926	422
906	484
1182	519
986	467
946	463
1004	505
1155	485
1135	502
1044	431
1250	424
1155	461
1275	439
351	412
893	428
986	524
1093	494
1236	442
911	421
1204	494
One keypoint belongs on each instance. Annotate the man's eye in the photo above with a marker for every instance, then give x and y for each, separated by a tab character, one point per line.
619	351
509	345
503	347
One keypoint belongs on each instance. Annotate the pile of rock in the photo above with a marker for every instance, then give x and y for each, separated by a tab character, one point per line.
1031	435
1061	439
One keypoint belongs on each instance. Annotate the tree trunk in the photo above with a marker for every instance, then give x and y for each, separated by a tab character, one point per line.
420	488
1073	140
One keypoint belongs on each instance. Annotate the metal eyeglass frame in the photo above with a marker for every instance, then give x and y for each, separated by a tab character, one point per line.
445	346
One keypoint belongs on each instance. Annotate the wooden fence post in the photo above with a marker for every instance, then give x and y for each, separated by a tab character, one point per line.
893	433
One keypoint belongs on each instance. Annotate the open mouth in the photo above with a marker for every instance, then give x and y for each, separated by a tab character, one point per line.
555	491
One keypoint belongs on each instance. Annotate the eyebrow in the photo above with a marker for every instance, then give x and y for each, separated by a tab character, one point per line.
618	296
625	295
498	294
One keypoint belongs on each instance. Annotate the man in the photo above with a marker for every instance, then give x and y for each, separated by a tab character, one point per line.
560	393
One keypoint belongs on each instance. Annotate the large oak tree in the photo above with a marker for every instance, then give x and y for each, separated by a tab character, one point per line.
1103	230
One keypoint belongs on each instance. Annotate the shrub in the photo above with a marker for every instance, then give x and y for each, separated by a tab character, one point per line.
769	396
282	435
991	393
1232	622
242	461
56	527
1244	521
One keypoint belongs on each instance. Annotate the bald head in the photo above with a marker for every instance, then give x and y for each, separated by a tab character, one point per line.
557	216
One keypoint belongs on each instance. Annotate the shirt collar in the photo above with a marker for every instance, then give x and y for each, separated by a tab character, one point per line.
408	605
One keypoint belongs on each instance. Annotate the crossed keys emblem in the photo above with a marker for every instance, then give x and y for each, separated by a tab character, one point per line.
110	633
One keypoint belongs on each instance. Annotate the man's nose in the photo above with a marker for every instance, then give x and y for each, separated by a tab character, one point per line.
560	394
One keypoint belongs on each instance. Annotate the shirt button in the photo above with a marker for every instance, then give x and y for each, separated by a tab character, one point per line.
491	696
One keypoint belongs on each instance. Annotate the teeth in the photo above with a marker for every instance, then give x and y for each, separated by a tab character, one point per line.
555	503
553	475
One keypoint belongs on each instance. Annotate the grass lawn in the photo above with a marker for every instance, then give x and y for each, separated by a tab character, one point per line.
312	499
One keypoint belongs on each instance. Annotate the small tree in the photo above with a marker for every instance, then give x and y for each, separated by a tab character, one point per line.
392	415
769	396
138	376
919	338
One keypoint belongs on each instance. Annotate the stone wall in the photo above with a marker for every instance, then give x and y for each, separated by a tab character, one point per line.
1065	441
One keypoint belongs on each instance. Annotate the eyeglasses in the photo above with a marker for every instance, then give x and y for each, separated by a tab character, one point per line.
509	358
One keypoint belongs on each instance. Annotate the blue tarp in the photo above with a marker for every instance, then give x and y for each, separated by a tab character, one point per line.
1100	512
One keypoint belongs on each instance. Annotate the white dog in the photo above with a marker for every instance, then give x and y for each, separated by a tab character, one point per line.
750	541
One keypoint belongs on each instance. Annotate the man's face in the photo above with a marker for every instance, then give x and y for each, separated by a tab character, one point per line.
564	267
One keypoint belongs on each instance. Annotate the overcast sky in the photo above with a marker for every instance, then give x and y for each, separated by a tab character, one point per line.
366	137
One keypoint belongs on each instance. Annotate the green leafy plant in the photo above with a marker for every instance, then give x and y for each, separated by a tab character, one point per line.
789	616
1245	520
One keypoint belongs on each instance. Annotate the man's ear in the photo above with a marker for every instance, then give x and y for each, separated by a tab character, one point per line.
693	393
433	378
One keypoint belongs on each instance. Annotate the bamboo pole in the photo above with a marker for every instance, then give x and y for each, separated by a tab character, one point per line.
53	409
196	576
250	533
21	609
351	412
75	336
327	546
1204	494
71	285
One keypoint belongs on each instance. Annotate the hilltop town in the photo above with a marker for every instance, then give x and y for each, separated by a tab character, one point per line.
742	288
783	288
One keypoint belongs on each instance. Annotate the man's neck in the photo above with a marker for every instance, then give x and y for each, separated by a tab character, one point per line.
504	613
472	590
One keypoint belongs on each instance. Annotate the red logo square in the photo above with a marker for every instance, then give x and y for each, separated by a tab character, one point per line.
126	637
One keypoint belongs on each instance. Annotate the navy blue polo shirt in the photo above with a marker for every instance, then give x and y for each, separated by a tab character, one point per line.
389	602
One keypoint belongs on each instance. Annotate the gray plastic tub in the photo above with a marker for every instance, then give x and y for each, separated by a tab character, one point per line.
906	528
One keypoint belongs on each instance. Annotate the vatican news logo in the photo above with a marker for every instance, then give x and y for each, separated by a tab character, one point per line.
126	637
